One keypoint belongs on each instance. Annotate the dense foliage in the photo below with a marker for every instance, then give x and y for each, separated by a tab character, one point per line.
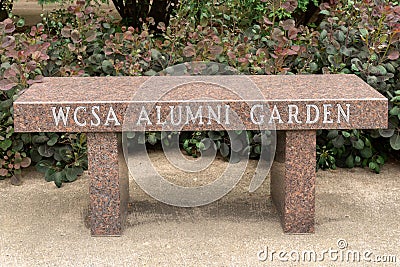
255	37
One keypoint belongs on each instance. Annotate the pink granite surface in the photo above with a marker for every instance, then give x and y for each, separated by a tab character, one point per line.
109	184
33	109
293	180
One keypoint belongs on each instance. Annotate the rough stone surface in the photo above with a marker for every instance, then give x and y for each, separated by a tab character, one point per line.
293	180
109	188
33	110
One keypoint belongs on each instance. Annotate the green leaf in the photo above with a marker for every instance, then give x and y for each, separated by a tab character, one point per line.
372	165
39	139
107	66
65	153
323	34
59	178
35	156
43	165
338	141
381	70
150	73
46	151
6	104
395	111
313	66
152	139
386	132
224	150
214	135
345	134
186	144
324	12
350	161
141	139
21	23
236	145
332	134
53	140
200	146
130	135
395	141
49	174
366	152
26	138
4	145
363	32
257	149
71	174
380	160
359	144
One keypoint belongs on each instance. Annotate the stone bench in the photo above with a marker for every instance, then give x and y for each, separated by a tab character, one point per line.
297	106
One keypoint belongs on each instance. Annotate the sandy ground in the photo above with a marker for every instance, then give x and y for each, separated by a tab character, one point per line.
44	226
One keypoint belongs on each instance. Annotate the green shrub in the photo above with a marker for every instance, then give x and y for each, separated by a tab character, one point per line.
80	40
363	39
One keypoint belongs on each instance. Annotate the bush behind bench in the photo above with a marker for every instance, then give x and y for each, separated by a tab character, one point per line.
80	40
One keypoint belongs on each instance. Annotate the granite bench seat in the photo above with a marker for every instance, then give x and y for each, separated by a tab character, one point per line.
297	106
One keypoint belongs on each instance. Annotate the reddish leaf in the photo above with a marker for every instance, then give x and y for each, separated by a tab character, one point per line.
9	26
231	55
38	79
292	33
66	31
6	85
26	162
7	41
287	24
393	55
71	47
31	65
15	180
33	31
216	50
75	36
267	21
90	36
189	51
3	172
290	5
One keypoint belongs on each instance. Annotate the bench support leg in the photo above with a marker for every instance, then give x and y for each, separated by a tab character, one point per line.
109	184
293	180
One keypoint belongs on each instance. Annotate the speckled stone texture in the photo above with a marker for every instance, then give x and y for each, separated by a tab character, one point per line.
109	184
33	110
293	180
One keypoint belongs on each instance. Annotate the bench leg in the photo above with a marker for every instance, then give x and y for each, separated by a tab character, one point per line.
109	184
293	180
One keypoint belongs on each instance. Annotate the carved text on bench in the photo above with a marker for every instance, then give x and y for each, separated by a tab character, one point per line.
186	113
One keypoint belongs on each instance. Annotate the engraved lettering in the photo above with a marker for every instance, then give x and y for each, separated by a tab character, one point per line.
61	115
76	116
